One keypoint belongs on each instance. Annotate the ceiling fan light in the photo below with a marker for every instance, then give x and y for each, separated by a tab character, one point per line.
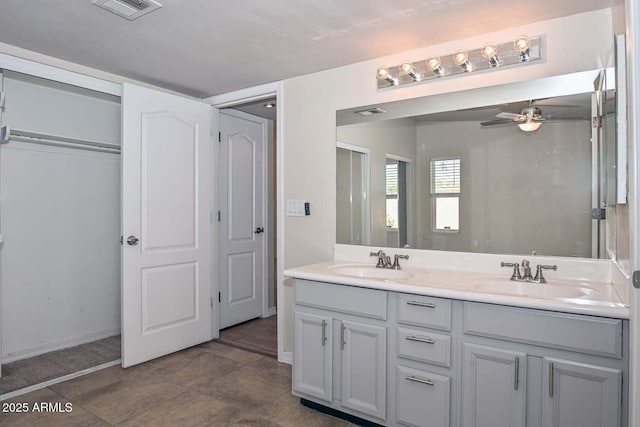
529	126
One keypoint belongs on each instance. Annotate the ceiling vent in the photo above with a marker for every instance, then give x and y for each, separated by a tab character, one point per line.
129	9
371	111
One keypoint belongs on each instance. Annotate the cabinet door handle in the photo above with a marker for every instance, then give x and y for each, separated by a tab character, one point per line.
422	304
420	380
324	332
516	377
342	339
420	339
551	379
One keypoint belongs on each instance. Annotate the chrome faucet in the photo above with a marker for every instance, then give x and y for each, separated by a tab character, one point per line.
384	261
527	277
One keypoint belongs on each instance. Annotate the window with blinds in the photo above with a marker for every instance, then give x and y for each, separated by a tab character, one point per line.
392	193
445	194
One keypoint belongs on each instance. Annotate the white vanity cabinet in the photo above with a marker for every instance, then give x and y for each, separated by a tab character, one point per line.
400	359
340	347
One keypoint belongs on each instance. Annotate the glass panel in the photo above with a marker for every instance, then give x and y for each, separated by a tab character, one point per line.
447	213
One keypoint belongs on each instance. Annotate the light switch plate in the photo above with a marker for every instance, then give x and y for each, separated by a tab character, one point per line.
295	207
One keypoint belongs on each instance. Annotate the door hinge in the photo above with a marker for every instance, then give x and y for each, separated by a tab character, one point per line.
211	301
121	240
598	213
219	136
636	279
218	216
219	297
596	122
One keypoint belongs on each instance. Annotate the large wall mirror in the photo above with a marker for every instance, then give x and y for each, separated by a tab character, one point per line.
514	169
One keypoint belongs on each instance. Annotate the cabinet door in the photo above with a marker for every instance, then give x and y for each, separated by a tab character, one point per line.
312	354
494	387
364	367
580	395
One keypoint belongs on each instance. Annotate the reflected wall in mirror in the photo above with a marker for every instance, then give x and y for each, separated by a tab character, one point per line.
479	183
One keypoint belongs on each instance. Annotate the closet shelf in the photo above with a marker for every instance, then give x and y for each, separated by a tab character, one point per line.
7	134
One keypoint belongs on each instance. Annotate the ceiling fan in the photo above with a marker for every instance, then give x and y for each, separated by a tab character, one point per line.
529	119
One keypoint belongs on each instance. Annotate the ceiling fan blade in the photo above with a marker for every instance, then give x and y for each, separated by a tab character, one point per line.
497	122
511	116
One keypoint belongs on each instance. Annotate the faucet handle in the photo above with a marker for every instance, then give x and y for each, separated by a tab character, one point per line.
382	258
539	277
396	262
516	269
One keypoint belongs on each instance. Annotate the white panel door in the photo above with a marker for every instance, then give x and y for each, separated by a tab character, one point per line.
166	206
242	217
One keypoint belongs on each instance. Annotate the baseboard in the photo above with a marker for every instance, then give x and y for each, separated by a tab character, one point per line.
58	345
286	357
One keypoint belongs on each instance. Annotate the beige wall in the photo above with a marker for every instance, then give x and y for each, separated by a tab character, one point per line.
575	43
520	192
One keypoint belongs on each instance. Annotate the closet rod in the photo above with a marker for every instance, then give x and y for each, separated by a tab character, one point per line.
7	134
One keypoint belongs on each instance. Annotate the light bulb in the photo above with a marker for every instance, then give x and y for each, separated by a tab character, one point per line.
435	65
407	68
529	126
521	45
383	74
490	51
461	58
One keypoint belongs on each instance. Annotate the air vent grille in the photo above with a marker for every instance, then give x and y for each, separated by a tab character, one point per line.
371	111
129	9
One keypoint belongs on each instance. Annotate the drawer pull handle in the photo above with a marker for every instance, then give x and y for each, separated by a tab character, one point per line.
324	332
420	339
342	338
422	304
420	380
517	374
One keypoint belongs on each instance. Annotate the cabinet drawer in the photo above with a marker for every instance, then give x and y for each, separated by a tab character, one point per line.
424	346
584	334
424	311
422	398
343	298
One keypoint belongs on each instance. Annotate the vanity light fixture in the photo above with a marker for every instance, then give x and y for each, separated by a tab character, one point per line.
522	44
461	58
519	51
435	65
408	69
383	74
490	51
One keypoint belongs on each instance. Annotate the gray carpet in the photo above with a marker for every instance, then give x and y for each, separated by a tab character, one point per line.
28	372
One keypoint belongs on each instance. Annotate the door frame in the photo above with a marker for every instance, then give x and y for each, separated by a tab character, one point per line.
232	99
265	200
366	216
409	190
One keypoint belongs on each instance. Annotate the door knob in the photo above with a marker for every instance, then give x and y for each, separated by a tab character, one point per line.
259	230
132	240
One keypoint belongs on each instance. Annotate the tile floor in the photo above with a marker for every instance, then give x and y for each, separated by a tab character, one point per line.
208	385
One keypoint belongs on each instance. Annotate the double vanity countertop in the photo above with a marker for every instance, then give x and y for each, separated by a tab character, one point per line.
558	294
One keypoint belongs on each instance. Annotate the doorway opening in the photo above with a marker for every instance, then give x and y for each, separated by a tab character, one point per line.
247	251
60	225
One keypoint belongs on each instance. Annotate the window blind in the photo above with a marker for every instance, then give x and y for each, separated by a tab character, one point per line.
392	179
445	176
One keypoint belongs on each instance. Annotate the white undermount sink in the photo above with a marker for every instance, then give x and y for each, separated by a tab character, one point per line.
367	271
534	290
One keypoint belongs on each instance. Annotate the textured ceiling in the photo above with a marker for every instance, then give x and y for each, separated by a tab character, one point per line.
205	47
